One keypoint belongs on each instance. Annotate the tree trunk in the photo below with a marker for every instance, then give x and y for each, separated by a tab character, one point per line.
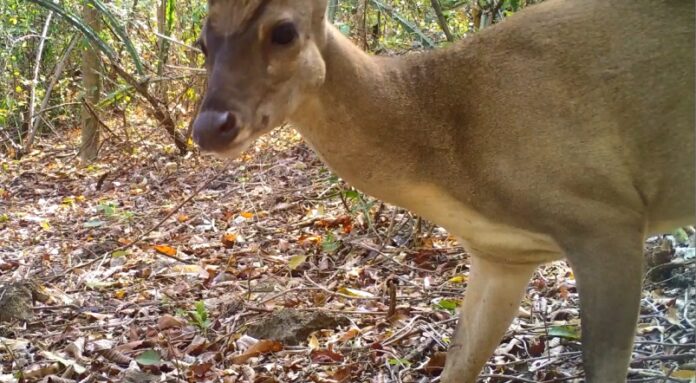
442	20
31	118
163	30
91	82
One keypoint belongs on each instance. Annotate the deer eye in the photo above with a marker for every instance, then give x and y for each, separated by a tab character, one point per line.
284	33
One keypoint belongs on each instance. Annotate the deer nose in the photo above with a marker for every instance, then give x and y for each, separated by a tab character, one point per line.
215	130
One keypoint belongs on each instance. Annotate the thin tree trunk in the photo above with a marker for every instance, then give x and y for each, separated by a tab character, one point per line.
91	82
163	30
32	96
36	121
442	20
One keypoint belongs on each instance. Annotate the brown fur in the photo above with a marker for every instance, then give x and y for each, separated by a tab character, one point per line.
565	131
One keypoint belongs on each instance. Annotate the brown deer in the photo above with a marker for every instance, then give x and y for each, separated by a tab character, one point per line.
566	131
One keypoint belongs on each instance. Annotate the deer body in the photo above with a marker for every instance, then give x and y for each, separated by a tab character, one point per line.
565	131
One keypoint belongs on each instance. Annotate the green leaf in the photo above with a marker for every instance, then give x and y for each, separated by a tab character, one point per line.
566	331
329	243
447	304
170	15
149	358
351	194
201	310
410	27
121	33
399	362
94	223
119	253
80	25
681	236
296	261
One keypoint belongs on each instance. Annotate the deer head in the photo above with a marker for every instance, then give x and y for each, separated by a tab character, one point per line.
262	59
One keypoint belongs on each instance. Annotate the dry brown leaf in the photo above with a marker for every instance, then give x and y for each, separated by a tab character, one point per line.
436	363
197	345
348	335
344	373
199	370
325	355
263	346
168	321
115	356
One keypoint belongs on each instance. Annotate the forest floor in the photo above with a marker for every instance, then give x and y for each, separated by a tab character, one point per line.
147	266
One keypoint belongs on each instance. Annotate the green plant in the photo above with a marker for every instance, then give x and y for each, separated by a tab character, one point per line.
199	316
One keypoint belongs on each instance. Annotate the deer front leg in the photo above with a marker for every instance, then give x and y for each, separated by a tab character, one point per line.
608	270
491	302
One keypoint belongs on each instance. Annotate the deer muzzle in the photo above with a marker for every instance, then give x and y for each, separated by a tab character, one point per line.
216	130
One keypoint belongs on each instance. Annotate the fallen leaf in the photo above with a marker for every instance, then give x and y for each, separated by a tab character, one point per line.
644	328
457	279
229	239
45	225
199	370
672	315
296	261
166	250
448	304
78	368
93	223
168	321
344	373
247	214
567	331
684	374
313	342
263	346
149	358
436	363
355	293
187	269
325	355
348	335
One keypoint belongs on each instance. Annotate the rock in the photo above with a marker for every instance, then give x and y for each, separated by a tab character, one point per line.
16	300
291	327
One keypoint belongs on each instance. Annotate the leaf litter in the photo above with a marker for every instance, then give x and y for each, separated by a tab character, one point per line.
147	266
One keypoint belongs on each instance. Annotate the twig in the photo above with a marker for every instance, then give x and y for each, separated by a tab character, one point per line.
34	81
54	80
674	357
391	285
335	293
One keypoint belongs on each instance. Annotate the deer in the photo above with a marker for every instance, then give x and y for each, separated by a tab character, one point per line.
565	131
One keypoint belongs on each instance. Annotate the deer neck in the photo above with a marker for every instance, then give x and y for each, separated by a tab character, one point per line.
369	121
